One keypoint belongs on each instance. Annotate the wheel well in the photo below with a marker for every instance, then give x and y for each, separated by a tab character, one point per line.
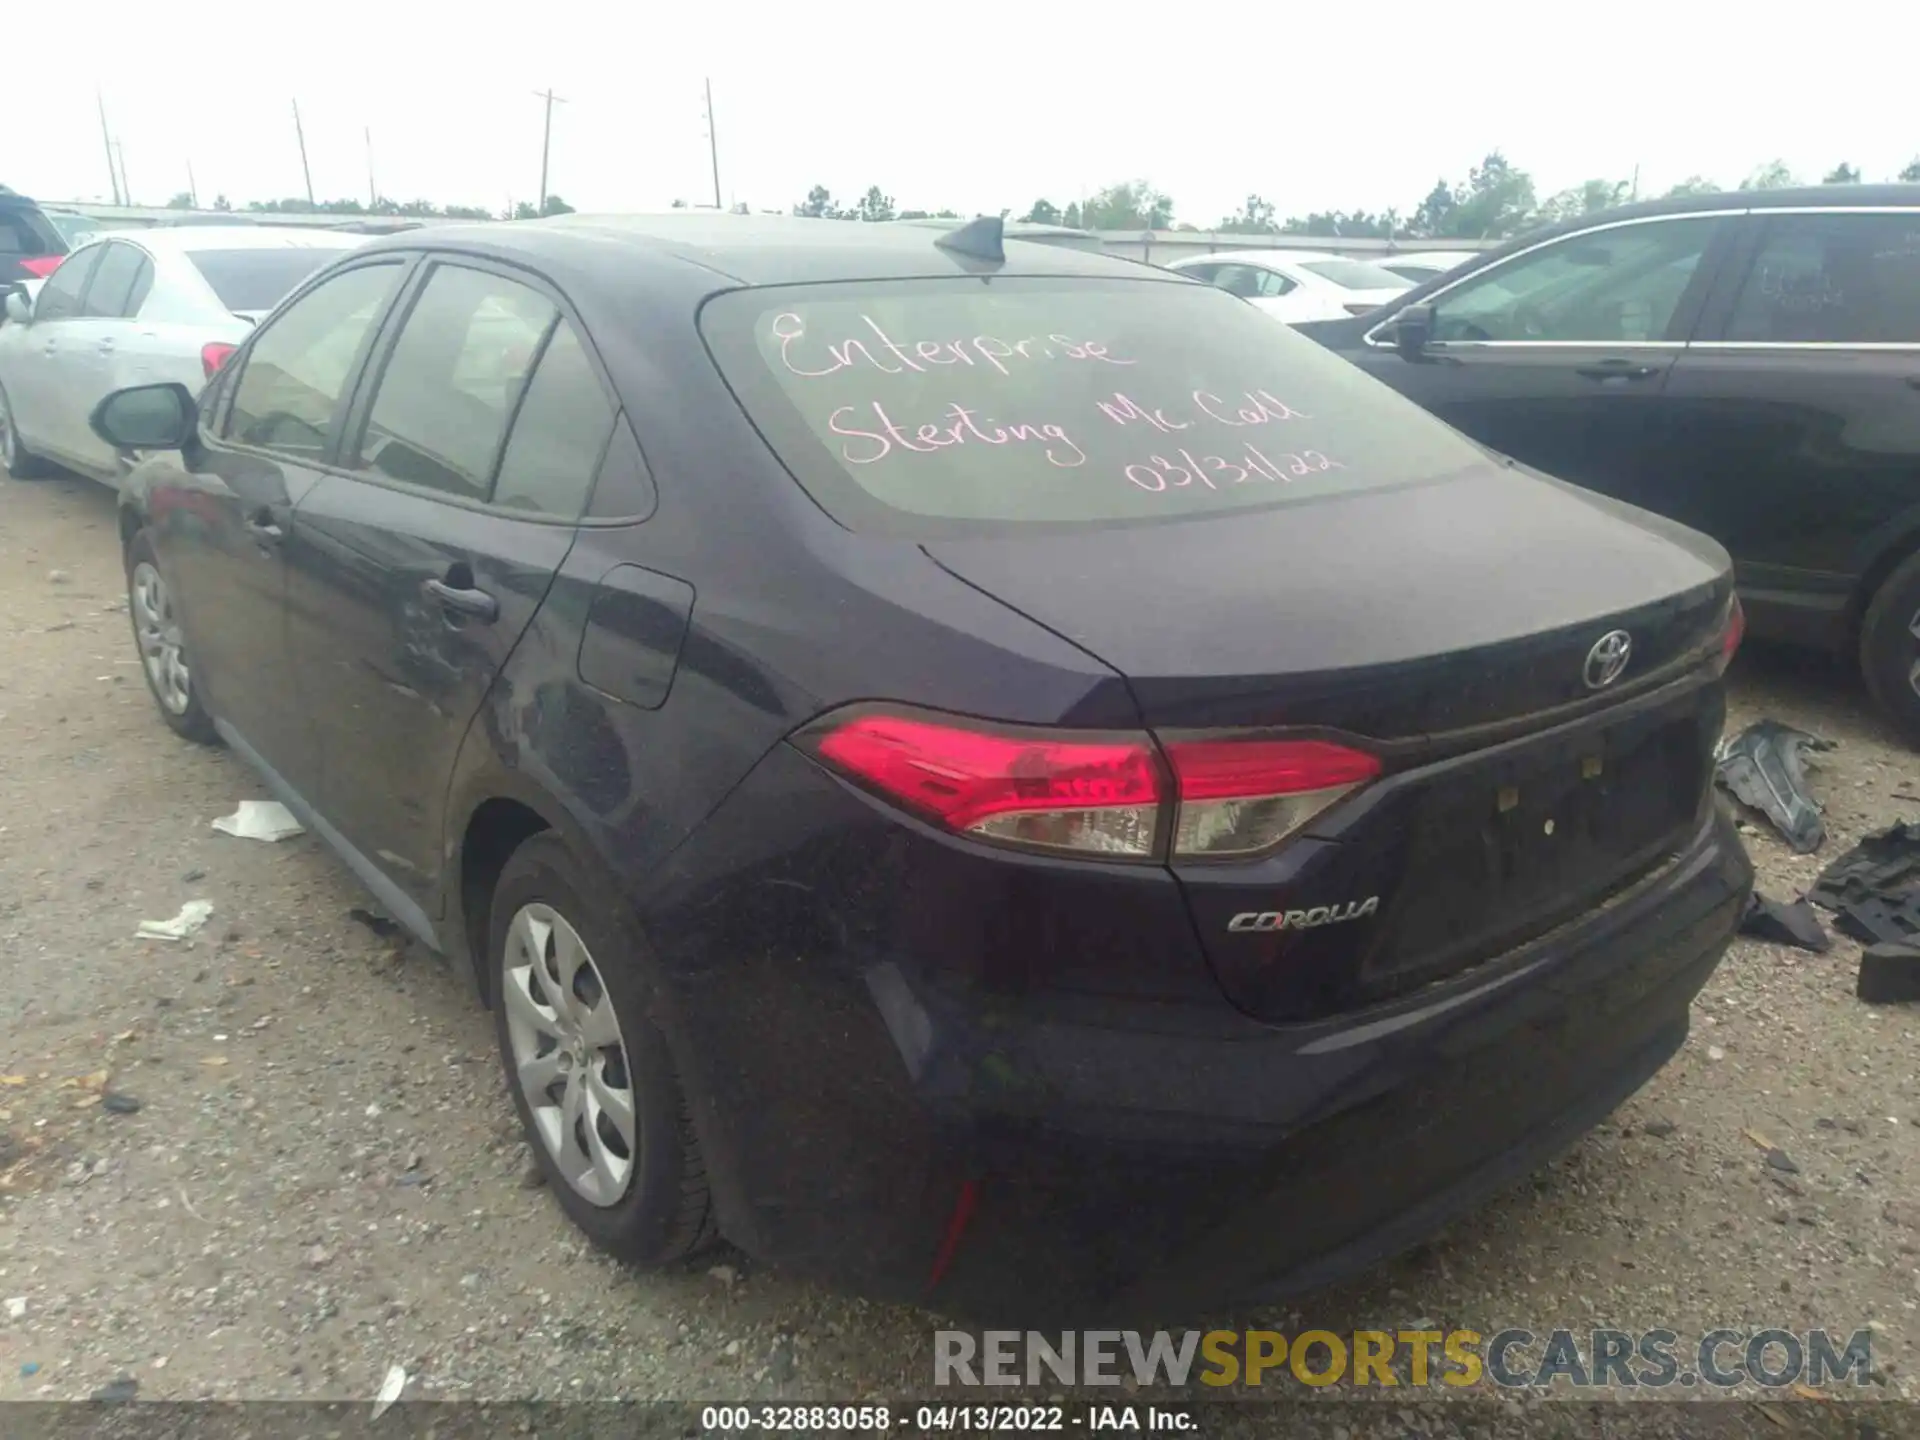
129	526
497	829
1876	576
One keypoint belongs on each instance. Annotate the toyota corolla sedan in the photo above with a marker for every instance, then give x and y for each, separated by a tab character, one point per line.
976	771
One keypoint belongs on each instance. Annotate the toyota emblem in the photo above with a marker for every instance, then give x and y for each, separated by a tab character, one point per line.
1608	659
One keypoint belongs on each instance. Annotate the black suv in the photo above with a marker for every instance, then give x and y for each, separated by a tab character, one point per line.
30	246
1748	364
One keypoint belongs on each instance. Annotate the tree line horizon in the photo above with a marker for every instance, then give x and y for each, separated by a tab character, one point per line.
1495	200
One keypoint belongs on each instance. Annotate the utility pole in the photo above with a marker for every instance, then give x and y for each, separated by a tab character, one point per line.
373	191
193	190
546	143
301	135
713	146
125	188
1636	183
106	138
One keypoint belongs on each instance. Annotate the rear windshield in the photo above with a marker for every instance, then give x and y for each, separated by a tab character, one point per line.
1355	274
258	279
930	407
26	235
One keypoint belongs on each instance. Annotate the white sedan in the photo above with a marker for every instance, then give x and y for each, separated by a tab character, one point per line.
1298	285
1420	266
136	308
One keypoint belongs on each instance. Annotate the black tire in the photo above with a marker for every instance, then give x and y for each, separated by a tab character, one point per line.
665	1213
18	461
1890	648
191	721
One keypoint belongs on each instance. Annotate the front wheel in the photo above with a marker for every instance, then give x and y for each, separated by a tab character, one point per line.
163	647
589	1072
1890	648
18	461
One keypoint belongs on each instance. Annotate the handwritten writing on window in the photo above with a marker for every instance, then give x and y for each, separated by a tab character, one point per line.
877	350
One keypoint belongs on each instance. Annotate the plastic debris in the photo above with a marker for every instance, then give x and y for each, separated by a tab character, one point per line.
266	820
390	1389
16	1306
1764	767
1794	924
117	1392
1874	889
192	916
1889	975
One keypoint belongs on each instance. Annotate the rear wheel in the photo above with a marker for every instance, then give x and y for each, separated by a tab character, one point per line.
163	646
1890	647
589	1072
18	461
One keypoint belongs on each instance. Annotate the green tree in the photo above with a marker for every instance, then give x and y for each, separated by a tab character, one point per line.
1693	185
1912	172
818	204
222	204
1332	223
1589	198
1432	215
1042	212
522	211
1130	205
467	212
875	206
182	201
1841	174
1072	217
1254	217
1773	175
556	206
1496	201
679	204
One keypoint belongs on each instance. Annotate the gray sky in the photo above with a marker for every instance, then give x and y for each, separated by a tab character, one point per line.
972	104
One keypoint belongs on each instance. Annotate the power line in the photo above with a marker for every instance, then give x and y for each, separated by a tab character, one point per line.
546	142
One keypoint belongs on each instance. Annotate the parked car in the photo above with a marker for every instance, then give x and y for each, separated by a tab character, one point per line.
30	246
133	306
1418	266
987	774
1297	285
1745	363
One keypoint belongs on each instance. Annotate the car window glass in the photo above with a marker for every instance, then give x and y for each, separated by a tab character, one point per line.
1611	286
1241	280
299	364
113	281
559	434
59	298
451	382
1269	284
1833	279
1201	272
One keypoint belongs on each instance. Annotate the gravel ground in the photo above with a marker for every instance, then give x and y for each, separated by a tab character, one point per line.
323	1177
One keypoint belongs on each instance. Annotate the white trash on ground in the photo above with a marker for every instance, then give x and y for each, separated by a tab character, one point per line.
267	820
192	916
390	1389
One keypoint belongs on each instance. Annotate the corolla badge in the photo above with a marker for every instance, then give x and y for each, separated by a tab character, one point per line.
1607	660
1305	919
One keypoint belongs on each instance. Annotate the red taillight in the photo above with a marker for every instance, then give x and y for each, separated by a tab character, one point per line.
213	355
1735	632
41	266
1099	795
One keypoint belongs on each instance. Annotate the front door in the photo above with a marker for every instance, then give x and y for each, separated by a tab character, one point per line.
39	384
103	336
276	412
1797	412
1558	356
413	577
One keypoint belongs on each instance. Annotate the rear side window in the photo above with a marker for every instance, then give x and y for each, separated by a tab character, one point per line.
120	283
26	235
450	385
297	366
929	407
1833	279
258	280
1354	274
559	434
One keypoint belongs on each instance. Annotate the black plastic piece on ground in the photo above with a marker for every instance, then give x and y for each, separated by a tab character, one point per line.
1764	767
1889	974
1874	889
1794	924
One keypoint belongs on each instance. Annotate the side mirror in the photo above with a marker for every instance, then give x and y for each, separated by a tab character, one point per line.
146	417
1412	329
19	307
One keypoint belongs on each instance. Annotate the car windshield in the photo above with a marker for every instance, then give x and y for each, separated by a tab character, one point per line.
251	280
1355	274
934	407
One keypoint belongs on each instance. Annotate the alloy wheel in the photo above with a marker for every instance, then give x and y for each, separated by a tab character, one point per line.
162	648
569	1057
7	442
1913	670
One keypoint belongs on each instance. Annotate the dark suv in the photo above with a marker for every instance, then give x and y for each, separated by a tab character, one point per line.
976	770
30	246
1748	364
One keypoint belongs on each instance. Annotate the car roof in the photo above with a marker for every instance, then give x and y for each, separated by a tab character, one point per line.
185	239
747	249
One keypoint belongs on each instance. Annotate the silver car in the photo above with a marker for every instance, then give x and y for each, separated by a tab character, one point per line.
135	308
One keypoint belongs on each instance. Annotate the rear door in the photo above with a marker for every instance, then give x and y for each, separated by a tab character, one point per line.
1559	354
471	450
1797	413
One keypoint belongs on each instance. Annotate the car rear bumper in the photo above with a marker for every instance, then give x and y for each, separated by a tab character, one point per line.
1011	1153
